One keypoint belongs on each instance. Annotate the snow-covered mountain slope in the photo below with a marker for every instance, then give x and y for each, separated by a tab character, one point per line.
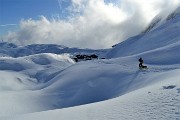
161	19
38	86
12	50
166	35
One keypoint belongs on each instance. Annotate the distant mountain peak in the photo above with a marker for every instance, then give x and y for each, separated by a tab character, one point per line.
173	14
159	19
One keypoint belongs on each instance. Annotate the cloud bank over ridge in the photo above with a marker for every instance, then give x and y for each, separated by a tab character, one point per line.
92	23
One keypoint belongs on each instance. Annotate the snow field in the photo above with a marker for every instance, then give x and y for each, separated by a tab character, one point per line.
47	86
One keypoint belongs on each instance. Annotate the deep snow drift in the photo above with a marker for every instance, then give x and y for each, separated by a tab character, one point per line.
37	83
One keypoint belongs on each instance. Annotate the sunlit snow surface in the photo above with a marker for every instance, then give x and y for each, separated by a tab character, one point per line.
37	85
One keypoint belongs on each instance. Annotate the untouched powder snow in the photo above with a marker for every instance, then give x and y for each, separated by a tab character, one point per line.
39	84
159	101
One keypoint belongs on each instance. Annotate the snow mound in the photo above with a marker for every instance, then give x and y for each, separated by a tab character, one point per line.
150	102
36	68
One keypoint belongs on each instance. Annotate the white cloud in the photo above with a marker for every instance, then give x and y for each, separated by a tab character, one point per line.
94	23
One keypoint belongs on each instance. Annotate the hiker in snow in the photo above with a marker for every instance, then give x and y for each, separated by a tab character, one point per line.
141	66
141	62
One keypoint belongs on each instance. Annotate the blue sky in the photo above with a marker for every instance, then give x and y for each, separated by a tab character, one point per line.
98	24
12	11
